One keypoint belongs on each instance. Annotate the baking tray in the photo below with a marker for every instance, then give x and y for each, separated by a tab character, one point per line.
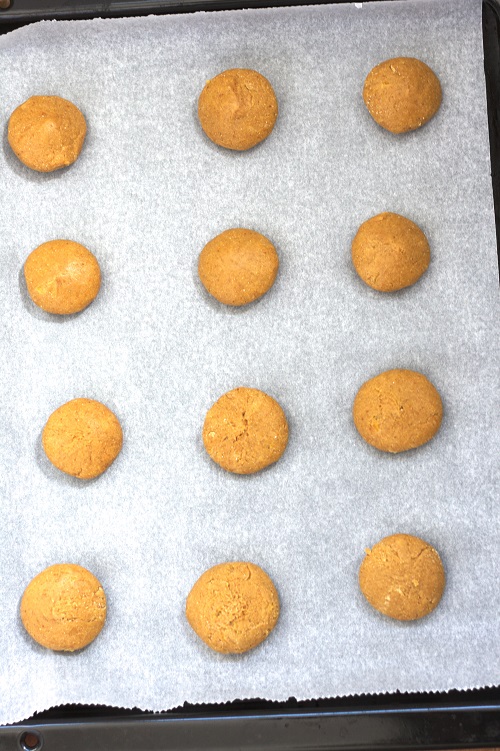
457	719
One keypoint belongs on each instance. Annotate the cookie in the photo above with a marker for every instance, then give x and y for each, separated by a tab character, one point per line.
64	607
237	109
390	252
238	266
402	577
62	276
82	438
397	410
233	607
402	94
245	431
47	133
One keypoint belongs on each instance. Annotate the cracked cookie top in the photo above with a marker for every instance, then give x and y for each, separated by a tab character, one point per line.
403	577
238	109
245	431
397	410
82	438
64	607
47	133
233	607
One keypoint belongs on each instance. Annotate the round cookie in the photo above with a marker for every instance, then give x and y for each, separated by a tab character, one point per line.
397	410
237	109
245	431
233	607
402	577
62	276
238	266
64	607
82	438
389	252
47	133
402	94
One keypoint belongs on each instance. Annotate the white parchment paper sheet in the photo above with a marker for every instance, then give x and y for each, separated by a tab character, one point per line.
148	191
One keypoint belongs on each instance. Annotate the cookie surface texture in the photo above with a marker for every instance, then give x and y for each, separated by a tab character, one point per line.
402	94
390	252
238	266
245	431
64	607
62	276
47	133
82	438
402	577
233	607
397	410
238	109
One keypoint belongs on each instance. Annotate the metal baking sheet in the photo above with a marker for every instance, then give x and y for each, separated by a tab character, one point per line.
490	712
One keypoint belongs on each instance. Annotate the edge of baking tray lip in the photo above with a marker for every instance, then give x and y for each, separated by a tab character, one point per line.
227	714
129	8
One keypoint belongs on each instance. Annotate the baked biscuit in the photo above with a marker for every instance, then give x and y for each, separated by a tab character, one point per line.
64	607
237	109
62	276
390	252
402	577
397	410
402	94
47	133
245	431
82	438
238	266
233	607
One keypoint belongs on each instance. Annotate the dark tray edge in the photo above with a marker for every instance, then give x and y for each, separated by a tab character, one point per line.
296	729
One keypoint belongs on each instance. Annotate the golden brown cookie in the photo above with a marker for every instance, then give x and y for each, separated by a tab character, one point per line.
62	276
402	577
237	109
233	607
47	133
397	410
64	607
238	266
245	431
82	438
390	252
402	94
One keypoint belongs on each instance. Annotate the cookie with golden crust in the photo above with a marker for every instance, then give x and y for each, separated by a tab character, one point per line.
397	410
62	276
233	607
390	252
245	431
402	577
238	109
402	94
238	266
47	133
82	438
64	607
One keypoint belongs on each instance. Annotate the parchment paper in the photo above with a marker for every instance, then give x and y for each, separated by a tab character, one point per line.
148	191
